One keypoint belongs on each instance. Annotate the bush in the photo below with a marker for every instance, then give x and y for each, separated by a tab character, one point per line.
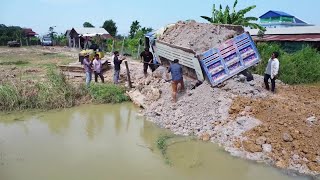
302	66
108	93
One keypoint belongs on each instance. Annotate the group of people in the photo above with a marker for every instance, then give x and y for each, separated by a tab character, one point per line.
175	69
94	67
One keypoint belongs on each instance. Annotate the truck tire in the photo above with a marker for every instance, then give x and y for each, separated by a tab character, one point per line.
247	74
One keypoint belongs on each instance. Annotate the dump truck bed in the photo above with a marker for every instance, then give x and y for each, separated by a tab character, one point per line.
217	64
186	58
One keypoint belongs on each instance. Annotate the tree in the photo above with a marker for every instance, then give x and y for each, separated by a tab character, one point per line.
220	16
52	32
135	26
261	33
110	26
146	30
87	24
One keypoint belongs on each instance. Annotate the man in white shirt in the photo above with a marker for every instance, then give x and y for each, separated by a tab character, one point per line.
97	68
272	71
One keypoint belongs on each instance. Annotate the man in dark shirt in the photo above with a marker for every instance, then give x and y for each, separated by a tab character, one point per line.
176	74
117	63
147	57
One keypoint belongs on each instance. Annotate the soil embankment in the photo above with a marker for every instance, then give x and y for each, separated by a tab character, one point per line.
244	118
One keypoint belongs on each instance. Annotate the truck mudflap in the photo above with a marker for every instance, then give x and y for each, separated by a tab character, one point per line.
230	58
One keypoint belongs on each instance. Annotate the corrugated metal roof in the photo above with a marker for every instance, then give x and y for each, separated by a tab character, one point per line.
299	37
288	30
87	30
281	13
272	13
299	21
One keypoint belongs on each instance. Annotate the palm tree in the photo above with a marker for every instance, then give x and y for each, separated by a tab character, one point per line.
220	16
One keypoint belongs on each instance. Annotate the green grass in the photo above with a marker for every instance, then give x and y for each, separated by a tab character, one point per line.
108	93
14	63
163	146
56	93
299	67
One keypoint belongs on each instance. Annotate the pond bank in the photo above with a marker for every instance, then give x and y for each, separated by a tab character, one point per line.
217	115
104	141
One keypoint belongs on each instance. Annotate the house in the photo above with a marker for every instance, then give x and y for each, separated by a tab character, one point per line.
79	37
290	36
278	19
28	33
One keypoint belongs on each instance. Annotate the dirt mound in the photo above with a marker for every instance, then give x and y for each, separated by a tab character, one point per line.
199	37
291	126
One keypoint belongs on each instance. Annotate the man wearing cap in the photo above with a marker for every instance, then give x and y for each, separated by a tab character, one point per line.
147	58
88	69
176	74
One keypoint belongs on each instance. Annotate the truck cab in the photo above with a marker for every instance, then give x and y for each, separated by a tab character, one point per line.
46	41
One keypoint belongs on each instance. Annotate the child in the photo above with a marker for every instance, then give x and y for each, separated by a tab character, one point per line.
97	68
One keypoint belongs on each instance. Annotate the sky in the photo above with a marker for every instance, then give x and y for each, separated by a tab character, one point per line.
65	14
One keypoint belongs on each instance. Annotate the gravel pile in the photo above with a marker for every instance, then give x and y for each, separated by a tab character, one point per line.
199	37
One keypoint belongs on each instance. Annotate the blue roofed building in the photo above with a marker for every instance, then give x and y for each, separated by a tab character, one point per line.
276	19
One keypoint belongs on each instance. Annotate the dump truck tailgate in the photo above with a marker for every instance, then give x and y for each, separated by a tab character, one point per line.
229	59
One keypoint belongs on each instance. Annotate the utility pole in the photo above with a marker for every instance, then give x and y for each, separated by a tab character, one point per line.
112	46
139	48
122	45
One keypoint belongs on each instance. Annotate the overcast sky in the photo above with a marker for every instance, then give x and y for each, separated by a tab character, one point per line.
65	14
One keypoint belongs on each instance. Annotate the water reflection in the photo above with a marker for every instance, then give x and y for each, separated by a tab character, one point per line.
111	142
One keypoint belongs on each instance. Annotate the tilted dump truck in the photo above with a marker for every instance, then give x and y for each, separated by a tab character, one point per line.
206	51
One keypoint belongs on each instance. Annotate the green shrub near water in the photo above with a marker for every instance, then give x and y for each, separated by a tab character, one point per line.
55	93
299	67
108	93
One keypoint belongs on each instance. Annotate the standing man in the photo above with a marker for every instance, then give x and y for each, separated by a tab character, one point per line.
176	74
147	58
88	69
116	61
97	67
272	70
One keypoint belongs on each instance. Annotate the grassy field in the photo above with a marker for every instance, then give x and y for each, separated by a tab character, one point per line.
32	80
30	63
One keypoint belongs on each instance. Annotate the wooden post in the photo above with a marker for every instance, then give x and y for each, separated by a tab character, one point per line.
128	74
79	44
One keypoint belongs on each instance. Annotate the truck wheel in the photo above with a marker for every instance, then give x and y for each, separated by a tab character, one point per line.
247	74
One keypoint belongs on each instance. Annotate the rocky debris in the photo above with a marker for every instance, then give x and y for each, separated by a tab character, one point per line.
205	137
294	141
267	148
238	112
261	140
251	146
252	89
199	37
287	137
311	120
281	164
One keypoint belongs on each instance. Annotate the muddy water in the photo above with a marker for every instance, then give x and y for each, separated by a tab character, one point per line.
102	142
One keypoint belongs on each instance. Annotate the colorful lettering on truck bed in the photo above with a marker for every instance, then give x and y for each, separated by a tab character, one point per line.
229	59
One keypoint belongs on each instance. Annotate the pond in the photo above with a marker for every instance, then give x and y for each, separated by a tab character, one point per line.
102	142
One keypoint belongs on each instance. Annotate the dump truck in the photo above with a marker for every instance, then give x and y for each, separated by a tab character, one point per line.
206	51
